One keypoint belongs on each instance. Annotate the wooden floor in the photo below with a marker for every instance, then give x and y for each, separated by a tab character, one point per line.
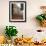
31	45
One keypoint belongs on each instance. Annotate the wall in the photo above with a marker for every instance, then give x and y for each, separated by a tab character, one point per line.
26	28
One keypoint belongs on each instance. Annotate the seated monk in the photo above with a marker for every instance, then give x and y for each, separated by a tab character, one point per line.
2	40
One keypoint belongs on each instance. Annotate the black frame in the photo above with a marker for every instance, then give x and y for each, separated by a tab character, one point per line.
9	11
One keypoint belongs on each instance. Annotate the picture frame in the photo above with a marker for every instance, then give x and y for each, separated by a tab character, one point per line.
17	11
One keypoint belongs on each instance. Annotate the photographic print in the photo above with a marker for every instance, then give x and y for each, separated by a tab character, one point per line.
17	11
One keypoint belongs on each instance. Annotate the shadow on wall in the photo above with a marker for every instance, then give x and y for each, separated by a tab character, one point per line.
34	22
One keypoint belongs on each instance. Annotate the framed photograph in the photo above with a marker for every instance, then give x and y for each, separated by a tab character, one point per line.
17	11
